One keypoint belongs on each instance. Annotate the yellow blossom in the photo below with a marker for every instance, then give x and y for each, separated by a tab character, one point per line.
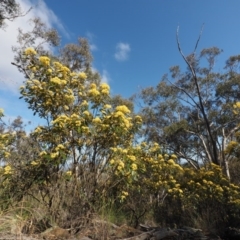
49	71
78	123
1	112
171	162
132	158
7	154
138	119
42	153
85	129
118	114
54	154
236	105
44	60
58	81
59	147
34	163
104	88
65	107
105	91
107	106
120	165
134	167
86	113
69	173
38	130
112	161
93	86
82	75
84	103
124	193
30	51
124	109
74	115
96	120
7	170
94	92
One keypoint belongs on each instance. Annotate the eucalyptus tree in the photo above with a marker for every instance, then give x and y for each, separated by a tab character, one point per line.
190	112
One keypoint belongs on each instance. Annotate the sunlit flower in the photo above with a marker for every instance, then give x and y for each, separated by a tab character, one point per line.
124	109
7	154
107	106
82	75
30	51
7	170
134	166
96	120
44	60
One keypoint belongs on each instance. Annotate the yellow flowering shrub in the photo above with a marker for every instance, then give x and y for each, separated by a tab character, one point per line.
82	127
233	147
6	139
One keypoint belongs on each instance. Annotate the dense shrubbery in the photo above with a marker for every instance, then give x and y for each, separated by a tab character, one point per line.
86	159
94	155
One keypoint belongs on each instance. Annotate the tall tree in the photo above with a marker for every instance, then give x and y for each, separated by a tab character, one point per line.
190	113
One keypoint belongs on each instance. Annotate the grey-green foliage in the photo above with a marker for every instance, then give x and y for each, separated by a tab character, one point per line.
9	10
190	112
46	41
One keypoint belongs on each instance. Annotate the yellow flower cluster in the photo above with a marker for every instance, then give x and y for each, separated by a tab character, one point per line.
236	105
69	173
54	155
30	51
134	167
96	120
38	130
58	81
107	106
5	140
93	92
60	147
83	75
45	61
35	163
6	154
104	89
124	109
1	112
123	196
120	165
7	170
206	184
232	145
43	153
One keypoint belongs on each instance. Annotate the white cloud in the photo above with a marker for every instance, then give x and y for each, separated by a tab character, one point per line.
122	51
105	76
90	37
93	47
10	78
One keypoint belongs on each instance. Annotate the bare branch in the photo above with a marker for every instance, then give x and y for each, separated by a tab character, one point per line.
202	109
199	37
21	68
183	90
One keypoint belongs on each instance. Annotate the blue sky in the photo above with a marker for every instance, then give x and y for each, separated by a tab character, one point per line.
133	41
